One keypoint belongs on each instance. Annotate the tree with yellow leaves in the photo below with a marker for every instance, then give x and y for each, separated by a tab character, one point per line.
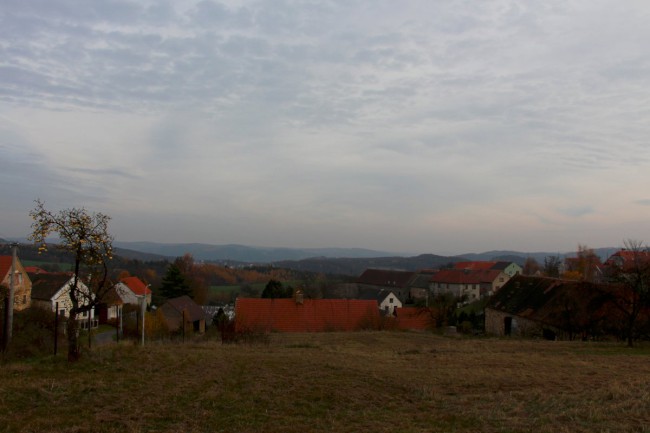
85	236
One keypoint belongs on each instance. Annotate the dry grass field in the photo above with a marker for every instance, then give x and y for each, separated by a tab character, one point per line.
334	382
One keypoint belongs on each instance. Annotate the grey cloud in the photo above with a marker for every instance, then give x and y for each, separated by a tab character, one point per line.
209	13
111	173
428	105
26	176
577	211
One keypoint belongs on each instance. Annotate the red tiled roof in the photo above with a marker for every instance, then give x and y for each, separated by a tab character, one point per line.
383	277
313	315
627	258
462	276
35	270
5	266
476	265
136	286
413	318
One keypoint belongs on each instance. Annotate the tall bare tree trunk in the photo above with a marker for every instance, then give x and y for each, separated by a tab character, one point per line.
73	338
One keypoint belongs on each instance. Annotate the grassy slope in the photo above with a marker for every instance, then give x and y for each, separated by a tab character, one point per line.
372	382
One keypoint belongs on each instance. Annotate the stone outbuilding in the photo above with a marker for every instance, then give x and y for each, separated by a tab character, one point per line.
21	281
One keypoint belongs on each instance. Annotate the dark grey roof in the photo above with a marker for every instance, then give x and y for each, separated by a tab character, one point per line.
421	281
500	266
546	299
45	286
184	302
384	277
376	295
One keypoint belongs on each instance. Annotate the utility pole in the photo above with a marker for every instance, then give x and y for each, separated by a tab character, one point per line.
9	302
144	304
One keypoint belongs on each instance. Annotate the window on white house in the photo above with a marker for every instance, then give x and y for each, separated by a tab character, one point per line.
391	300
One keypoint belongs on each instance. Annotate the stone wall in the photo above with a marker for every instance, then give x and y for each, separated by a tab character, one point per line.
495	324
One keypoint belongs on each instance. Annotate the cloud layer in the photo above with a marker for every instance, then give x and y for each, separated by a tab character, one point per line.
420	127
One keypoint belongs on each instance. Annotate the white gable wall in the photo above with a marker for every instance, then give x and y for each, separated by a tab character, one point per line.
389	304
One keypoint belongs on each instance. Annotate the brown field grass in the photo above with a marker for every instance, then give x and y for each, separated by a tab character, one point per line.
334	382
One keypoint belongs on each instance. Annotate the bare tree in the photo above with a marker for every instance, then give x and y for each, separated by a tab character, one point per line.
552	266
531	267
632	273
85	236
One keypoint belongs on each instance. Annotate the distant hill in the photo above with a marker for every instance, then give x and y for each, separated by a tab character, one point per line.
28	250
344	261
246	254
138	255
356	266
520	257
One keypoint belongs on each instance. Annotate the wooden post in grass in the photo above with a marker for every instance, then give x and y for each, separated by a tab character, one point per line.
56	327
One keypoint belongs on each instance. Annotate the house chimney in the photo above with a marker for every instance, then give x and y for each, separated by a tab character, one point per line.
299	297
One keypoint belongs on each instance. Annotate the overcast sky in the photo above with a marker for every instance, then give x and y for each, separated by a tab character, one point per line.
411	126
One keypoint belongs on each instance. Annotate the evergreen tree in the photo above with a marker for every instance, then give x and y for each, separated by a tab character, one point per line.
274	289
174	284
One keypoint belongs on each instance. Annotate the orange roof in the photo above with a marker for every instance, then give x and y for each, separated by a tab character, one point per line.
476	265
35	270
5	266
136	286
627	258
313	315
463	276
414	318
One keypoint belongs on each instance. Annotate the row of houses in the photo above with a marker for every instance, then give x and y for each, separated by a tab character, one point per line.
469	280
532	306
518	305
378	298
50	291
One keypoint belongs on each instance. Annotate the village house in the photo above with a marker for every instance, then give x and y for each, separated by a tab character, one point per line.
420	286
387	302
132	289
399	282
51	292
21	281
551	308
509	268
110	307
625	260
183	314
472	284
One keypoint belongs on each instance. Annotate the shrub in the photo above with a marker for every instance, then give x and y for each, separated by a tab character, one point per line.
33	334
